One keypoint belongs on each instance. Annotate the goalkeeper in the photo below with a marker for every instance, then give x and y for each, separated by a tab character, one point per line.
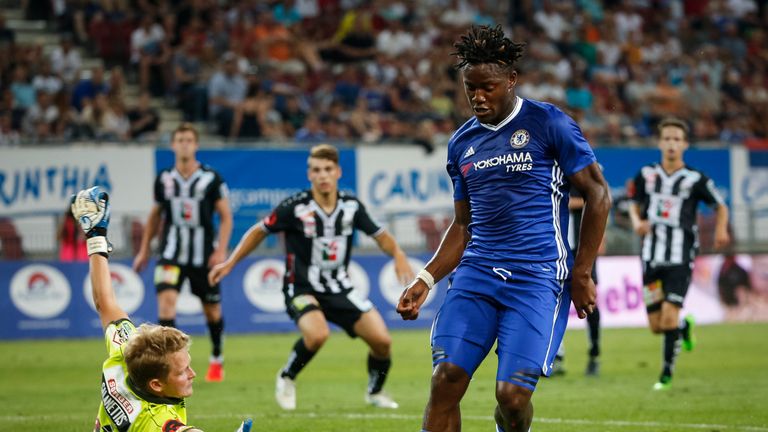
147	375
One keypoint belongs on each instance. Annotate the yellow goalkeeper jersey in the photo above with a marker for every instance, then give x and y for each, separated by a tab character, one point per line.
124	407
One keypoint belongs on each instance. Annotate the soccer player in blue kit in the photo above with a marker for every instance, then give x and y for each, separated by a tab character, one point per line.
512	166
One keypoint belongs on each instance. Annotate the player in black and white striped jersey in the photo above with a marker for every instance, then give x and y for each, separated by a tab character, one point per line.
667	196
187	196
319	224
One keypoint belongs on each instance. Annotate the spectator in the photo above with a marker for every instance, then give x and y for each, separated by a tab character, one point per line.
89	88
116	84
187	75
294	113
66	61
312	131
72	246
147	48
41	118
144	119
46	80
106	119
226	91
21	88
8	136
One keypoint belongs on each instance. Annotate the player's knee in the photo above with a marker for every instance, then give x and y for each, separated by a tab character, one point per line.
513	399
316	339
449	374
381	346
665	327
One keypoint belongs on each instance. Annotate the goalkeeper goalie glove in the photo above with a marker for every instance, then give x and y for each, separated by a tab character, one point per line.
90	207
245	426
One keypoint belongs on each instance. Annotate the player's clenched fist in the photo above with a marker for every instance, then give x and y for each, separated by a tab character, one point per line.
412	299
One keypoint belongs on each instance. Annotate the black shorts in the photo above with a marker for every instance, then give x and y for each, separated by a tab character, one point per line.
665	284
169	275
342	309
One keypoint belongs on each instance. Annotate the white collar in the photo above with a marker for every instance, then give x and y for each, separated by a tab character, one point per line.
513	114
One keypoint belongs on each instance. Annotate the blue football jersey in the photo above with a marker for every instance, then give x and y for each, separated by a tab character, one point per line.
515	178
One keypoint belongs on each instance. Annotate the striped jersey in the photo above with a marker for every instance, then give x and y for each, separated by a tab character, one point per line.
188	206
514	176
318	244
670	202
124	407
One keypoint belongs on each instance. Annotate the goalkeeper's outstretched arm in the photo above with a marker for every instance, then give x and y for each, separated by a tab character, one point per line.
103	294
90	208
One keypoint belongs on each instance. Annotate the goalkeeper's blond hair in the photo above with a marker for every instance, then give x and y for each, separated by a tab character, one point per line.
146	352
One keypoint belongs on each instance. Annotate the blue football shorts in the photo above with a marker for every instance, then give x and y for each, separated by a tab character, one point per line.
526	313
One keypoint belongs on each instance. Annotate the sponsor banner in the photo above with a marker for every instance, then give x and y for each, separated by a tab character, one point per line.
258	180
730	289
41	180
393	179
52	299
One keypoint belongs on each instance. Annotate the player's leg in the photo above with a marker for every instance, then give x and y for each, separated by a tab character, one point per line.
371	328
462	335
305	310
558	366
168	279
358	317
449	383
531	327
593	323
210	297
675	284
668	321
517	414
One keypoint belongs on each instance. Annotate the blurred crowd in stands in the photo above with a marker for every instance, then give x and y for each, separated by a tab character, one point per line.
367	71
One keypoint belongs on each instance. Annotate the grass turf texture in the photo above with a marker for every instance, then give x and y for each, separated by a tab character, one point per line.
722	386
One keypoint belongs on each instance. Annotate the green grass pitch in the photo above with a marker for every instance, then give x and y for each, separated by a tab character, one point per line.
722	386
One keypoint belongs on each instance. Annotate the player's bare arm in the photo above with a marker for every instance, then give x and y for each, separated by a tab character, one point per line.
103	294
597	204
388	245
250	241
446	259
150	231
225	232
640	225
90	208
722	238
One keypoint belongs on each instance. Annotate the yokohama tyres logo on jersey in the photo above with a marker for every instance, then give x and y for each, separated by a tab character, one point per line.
513	162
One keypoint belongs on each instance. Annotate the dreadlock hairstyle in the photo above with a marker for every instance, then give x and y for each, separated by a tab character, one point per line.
483	44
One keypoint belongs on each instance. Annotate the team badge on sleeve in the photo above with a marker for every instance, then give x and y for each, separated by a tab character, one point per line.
519	139
122	332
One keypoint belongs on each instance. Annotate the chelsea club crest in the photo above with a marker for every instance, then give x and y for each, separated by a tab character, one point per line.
519	139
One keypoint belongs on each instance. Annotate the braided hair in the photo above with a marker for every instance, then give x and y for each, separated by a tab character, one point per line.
483	44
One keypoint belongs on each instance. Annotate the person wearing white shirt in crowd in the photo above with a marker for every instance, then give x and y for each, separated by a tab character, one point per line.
66	60
47	81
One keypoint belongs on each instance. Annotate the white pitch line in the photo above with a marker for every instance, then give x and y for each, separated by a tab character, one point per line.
394	416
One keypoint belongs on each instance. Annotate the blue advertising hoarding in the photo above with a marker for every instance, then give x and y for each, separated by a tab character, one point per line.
53	299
